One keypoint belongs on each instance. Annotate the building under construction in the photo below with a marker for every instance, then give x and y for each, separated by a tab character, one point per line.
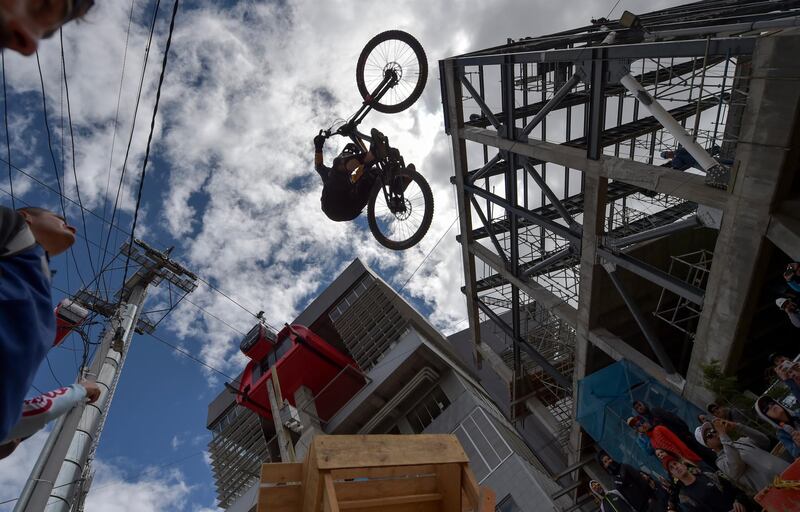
626	194
410	380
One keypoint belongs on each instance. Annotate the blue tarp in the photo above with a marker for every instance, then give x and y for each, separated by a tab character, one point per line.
605	401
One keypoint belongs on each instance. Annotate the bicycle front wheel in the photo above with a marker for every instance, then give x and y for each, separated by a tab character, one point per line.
400	213
397	51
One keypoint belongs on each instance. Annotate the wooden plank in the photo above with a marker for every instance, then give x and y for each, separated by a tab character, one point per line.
335	452
312	488
330	501
369	489
282	472
449	476
389	501
285	498
488	500
470	487
384	472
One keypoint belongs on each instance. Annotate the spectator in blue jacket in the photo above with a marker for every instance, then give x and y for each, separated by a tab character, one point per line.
28	238
680	159
792	276
787	425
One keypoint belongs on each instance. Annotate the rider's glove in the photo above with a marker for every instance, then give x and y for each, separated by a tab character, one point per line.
319	142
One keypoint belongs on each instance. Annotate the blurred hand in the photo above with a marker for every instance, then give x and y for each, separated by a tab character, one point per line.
720	425
738	507
781	373
92	390
319	142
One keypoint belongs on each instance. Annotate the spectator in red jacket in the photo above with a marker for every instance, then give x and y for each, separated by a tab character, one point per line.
663	438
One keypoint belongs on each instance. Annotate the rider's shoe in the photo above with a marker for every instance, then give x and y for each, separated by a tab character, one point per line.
380	145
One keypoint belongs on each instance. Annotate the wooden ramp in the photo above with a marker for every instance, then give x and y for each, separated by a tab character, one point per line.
376	473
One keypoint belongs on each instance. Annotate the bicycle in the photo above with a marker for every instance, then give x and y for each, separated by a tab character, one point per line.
390	74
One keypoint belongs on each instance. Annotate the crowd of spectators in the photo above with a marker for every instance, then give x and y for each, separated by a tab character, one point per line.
718	465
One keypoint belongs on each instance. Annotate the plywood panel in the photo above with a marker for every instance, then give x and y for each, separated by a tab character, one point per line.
368	489
386	450
384	472
449	476
284	498
282	472
380	504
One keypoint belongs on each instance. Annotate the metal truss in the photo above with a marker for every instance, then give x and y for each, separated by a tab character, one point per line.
675	310
593	103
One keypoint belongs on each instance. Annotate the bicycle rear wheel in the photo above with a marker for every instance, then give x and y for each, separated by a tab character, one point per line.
397	51
400	220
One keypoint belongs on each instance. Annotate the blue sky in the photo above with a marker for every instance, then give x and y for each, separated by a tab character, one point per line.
230	185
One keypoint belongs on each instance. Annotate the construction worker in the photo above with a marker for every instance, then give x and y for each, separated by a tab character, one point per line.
29	237
23	23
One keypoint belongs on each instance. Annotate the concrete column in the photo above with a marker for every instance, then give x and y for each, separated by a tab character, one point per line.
306	408
762	171
595	189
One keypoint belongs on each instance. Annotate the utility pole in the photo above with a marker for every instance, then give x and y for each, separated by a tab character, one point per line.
61	476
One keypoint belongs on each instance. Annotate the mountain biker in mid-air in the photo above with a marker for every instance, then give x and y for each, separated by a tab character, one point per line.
347	184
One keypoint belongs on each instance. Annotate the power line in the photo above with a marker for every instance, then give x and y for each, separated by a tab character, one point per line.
150	135
133	125
190	356
49	137
212	315
116	120
427	255
72	145
5	119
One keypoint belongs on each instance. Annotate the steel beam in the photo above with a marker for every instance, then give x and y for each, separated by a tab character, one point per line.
650	234
664	180
554	200
721	47
654	275
477	97
488	225
455	116
535	291
538	358
554	102
643	323
512	209
548	262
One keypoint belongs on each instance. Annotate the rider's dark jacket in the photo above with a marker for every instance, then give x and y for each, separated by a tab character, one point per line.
342	200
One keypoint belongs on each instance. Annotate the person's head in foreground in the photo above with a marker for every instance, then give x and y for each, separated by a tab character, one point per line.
49	229
23	23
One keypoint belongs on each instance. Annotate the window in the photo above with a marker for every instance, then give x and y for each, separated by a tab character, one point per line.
507	504
272	358
482	442
427	410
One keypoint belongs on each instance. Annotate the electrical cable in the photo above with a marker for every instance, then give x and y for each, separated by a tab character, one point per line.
50	138
150	137
427	255
8	137
72	145
190	356
116	119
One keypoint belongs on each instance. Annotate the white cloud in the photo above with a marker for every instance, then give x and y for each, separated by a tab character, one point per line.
153	491
240	104
15	468
175	442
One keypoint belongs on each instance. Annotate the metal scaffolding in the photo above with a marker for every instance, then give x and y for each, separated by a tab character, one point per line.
562	162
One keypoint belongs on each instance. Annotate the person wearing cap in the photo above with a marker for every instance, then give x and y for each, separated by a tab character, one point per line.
787	425
745	461
627	481
659	416
792	276
24	23
703	492
663	438
789	307
725	413
610	501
